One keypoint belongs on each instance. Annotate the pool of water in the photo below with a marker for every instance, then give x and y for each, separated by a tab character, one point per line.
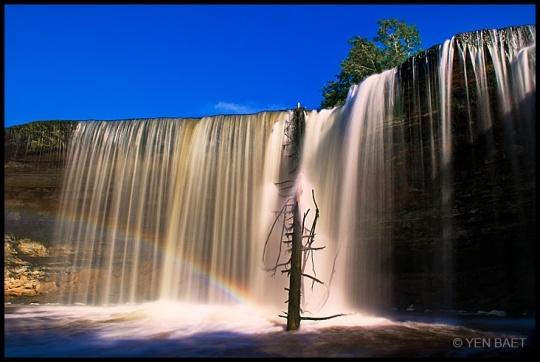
187	330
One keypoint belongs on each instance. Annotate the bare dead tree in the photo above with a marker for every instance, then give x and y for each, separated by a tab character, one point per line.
296	237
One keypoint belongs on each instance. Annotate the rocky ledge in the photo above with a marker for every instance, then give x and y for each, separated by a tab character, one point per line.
31	271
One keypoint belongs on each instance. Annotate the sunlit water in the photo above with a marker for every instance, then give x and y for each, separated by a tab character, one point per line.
189	330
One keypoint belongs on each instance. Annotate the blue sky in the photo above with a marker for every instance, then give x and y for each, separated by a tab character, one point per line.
107	62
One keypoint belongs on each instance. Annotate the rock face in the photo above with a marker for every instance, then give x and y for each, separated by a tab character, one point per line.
34	160
489	220
30	271
487	224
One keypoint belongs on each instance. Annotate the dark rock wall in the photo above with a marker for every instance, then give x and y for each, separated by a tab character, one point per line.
488	224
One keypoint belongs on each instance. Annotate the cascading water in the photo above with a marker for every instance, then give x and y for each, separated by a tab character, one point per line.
179	209
353	188
166	208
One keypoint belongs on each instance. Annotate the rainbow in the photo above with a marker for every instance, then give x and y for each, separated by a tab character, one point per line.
233	291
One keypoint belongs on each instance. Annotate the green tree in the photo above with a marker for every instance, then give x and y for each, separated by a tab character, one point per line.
395	42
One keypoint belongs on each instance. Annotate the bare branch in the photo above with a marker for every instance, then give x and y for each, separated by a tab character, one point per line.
274	269
283	182
312	277
318	248
323	318
304	220
271	229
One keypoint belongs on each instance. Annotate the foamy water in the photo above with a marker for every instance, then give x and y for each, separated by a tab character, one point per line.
190	330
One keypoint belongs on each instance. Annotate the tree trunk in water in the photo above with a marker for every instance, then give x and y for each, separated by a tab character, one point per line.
295	278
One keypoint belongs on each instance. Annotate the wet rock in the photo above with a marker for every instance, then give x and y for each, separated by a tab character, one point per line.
32	248
35	278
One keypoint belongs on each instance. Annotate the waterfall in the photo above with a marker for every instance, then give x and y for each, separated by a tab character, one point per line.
354	186
166	208
179	208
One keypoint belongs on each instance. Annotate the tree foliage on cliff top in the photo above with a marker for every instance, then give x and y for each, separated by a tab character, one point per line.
37	136
398	41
